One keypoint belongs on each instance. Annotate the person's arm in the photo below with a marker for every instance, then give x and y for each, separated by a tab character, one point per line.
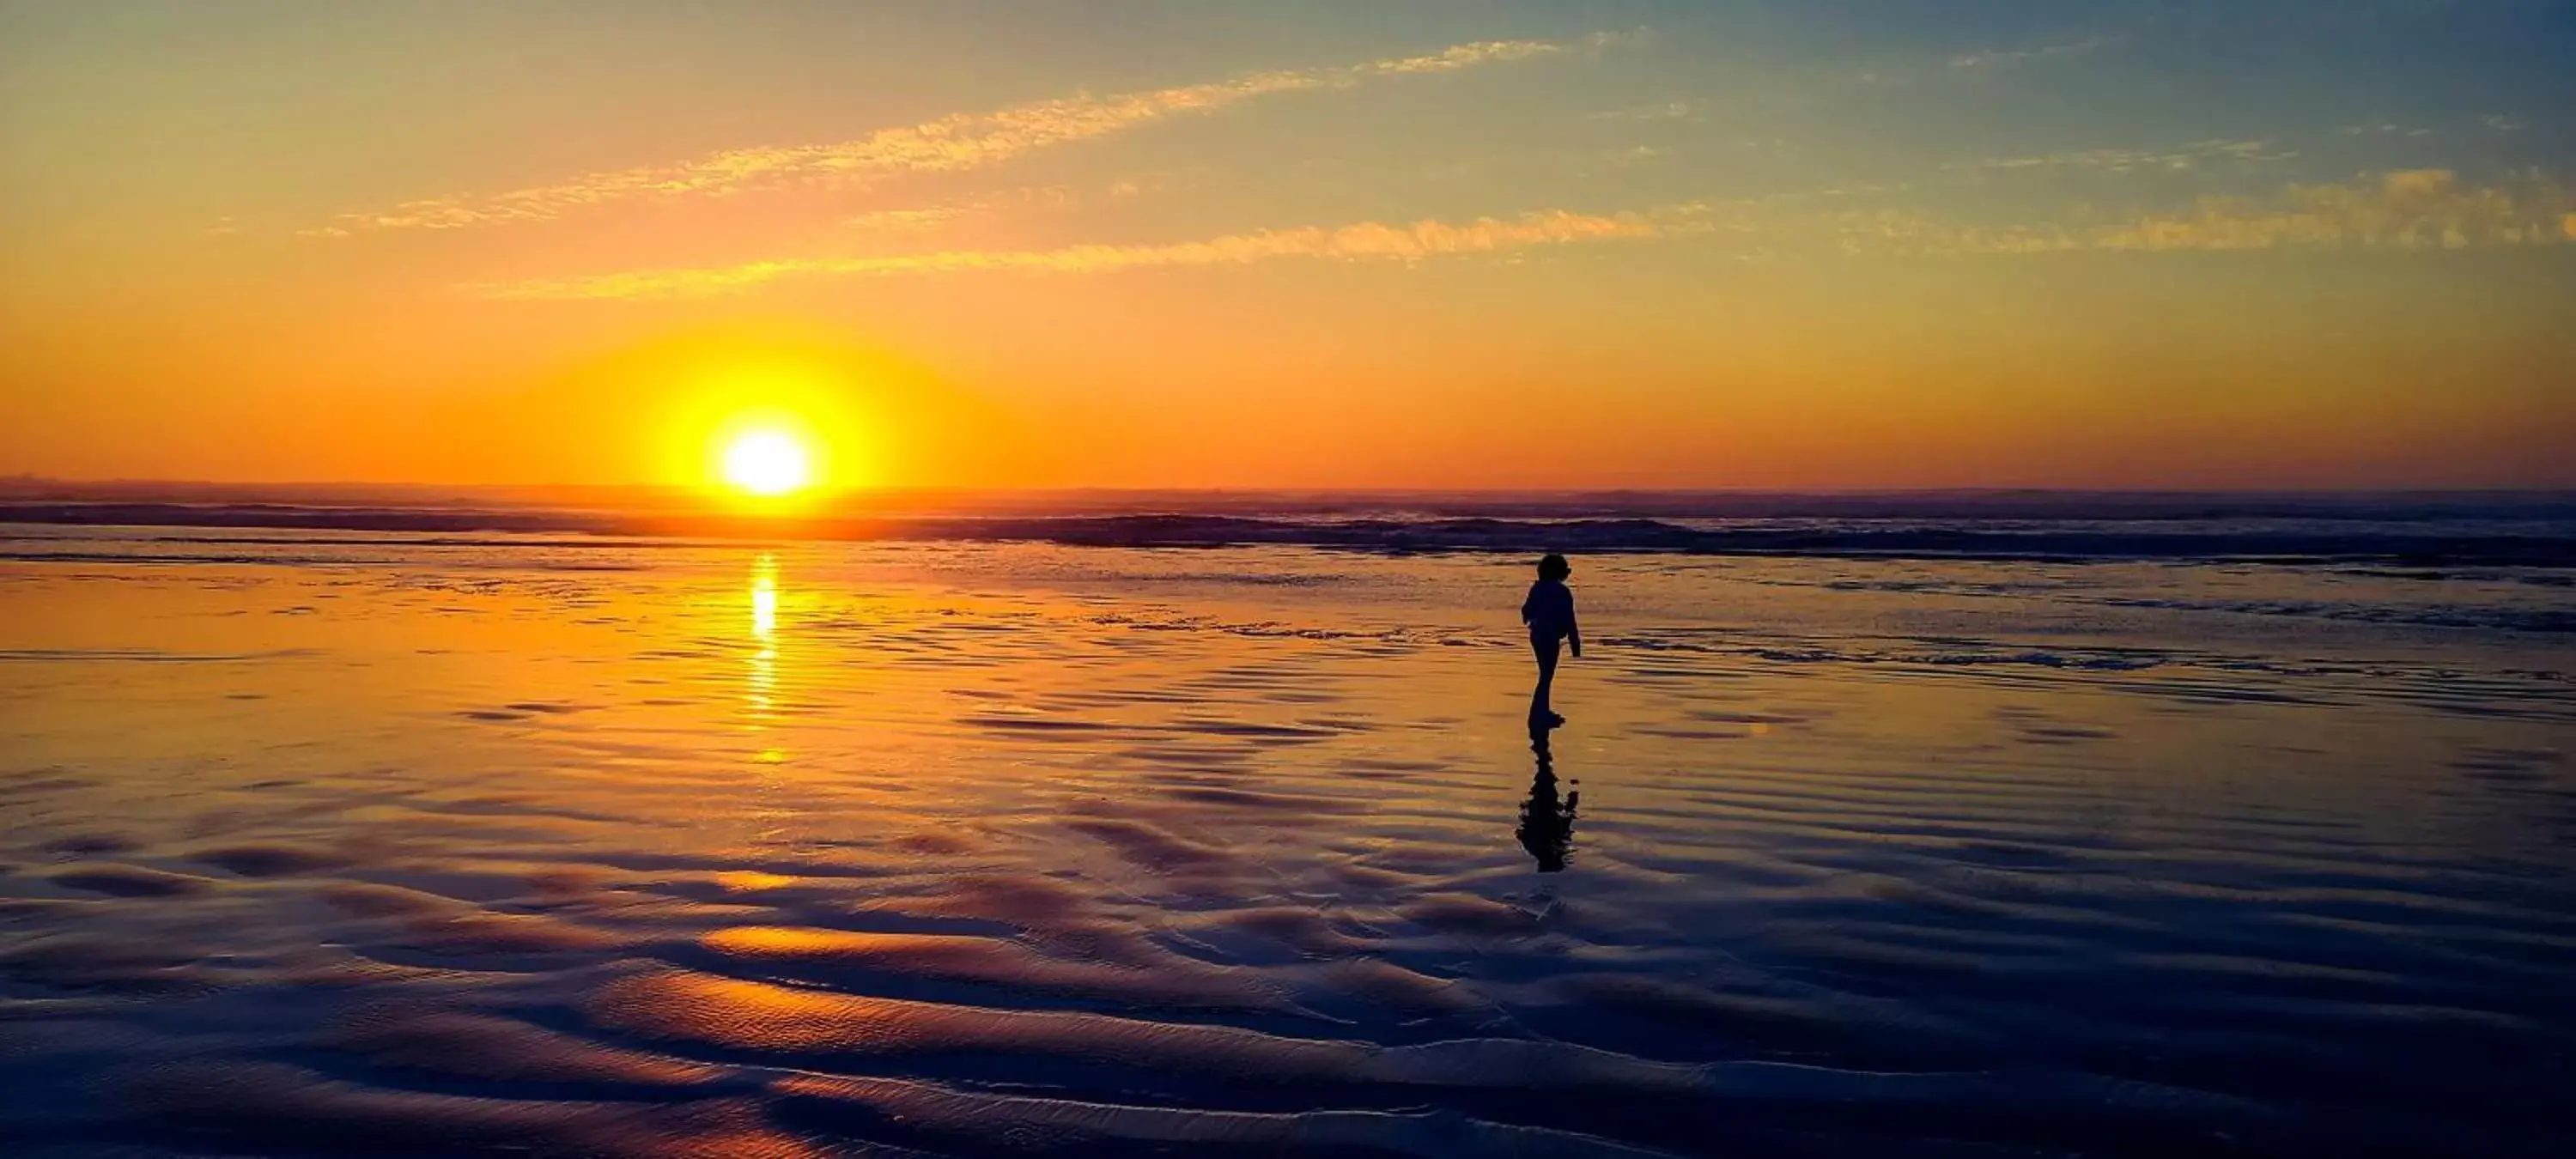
1573	630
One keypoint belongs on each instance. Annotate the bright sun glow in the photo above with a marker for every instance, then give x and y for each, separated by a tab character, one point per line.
767	462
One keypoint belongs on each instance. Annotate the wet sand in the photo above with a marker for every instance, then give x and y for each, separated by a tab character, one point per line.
349	844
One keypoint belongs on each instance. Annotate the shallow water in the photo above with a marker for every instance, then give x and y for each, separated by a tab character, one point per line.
339	843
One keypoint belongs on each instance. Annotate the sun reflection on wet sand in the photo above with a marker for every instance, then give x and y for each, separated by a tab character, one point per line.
764	597
1175	832
760	679
760	684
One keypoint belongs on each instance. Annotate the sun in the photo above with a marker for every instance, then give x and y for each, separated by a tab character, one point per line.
768	463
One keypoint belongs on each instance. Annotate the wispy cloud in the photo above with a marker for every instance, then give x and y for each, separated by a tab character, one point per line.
958	142
2488	124
2420	209
1366	241
2409	209
1454	58
920	218
2384	129
2416	209
1998	58
1667	111
2195	155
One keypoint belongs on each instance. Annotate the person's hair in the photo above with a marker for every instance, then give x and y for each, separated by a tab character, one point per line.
1554	567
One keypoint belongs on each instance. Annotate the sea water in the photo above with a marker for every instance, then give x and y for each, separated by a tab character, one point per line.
349	843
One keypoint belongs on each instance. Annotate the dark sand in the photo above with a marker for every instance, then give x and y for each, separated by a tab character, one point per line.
372	848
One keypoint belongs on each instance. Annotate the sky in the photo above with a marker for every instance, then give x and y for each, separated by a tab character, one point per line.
1778	244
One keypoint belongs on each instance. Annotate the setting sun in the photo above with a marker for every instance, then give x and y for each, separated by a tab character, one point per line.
767	462
1999	567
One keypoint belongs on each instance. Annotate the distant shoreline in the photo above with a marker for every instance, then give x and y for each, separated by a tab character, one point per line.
2460	530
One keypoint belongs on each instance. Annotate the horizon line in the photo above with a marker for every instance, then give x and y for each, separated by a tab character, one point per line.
25	479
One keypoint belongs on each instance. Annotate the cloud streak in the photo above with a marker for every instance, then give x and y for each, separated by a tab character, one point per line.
2420	209
949	144
2415	209
1366	241
1973	61
923	218
2410	209
2197	154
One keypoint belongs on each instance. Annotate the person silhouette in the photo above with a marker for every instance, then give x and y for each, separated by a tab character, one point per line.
1547	824
1549	612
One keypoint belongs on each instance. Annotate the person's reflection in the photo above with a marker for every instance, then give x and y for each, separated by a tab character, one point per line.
1547	824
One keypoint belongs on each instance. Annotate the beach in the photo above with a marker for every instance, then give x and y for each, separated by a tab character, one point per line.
1347	579
338	842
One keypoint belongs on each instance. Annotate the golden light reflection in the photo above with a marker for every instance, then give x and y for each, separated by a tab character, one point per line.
788	942
764	599
751	881
760	683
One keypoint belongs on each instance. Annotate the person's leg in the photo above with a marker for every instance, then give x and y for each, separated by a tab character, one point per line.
1545	648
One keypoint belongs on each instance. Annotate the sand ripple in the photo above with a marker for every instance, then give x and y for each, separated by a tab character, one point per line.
1012	850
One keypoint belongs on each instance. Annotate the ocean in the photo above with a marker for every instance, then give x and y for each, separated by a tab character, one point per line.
1957	825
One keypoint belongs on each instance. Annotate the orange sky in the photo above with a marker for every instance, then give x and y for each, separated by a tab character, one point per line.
1514	245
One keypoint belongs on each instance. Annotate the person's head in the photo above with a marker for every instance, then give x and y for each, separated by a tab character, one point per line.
1554	567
